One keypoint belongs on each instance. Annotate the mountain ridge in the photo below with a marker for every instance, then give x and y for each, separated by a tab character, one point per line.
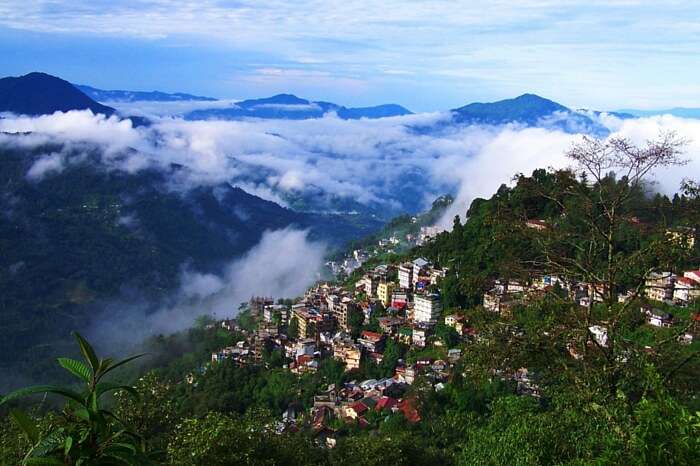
39	93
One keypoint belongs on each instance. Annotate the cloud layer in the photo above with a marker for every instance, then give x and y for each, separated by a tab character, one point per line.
383	165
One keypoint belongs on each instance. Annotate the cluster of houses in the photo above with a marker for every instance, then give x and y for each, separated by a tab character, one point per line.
402	302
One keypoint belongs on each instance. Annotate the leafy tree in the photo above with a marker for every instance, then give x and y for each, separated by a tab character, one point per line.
293	329
86	433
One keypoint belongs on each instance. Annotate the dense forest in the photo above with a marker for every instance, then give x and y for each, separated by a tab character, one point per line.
633	400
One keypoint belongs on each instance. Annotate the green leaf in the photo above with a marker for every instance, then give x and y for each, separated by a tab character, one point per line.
68	444
48	444
88	352
43	461
105	387
22	392
77	368
26	424
122	362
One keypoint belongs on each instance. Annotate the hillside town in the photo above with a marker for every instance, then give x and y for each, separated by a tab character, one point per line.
400	304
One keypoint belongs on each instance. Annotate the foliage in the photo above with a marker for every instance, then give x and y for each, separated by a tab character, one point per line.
86	433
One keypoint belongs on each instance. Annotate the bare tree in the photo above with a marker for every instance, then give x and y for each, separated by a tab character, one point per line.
610	174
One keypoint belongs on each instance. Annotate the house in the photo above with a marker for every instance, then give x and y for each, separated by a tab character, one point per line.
312	322
600	334
407	407
657	318
349	353
686	290
419	337
537	224
355	410
372	342
658	286
390	324
427	308
454	354
386	403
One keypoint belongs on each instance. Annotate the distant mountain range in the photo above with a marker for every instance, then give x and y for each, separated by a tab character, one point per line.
42	94
681	112
291	107
102	95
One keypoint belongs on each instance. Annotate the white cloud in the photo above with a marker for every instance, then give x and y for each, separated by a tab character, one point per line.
283	264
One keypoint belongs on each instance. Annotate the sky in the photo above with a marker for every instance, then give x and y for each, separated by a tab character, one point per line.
425	55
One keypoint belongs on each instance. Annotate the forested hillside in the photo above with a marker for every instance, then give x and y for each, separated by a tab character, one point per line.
83	233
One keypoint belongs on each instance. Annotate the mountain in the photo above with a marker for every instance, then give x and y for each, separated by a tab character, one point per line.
682	112
291	107
42	94
87	234
102	95
529	110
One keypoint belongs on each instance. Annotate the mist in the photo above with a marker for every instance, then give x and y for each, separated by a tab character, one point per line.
283	264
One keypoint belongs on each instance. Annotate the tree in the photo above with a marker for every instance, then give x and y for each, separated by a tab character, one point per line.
87	433
293	329
592	241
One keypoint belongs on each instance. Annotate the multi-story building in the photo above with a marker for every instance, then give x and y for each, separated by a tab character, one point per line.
419	336
342	311
427	308
686	290
420	270
349	353
384	291
312	322
405	273
659	286
372	342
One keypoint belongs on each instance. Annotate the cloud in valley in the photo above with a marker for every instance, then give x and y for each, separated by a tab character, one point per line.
284	263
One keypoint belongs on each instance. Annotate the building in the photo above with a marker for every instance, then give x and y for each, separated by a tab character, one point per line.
405	274
427	308
682	236
419	337
257	304
659	286
372	342
600	334
384	293
686	290
312	322
349	353
537	224
420	270
342	312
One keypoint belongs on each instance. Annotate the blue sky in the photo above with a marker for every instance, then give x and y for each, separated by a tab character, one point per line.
426	55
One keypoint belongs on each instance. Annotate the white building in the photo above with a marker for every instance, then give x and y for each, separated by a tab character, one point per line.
427	308
420	265
406	276
600	334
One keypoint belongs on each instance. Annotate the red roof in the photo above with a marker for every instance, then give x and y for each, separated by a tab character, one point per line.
371	335
359	407
386	402
407	407
687	281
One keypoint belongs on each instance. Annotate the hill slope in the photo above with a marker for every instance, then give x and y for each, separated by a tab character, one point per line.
87	234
